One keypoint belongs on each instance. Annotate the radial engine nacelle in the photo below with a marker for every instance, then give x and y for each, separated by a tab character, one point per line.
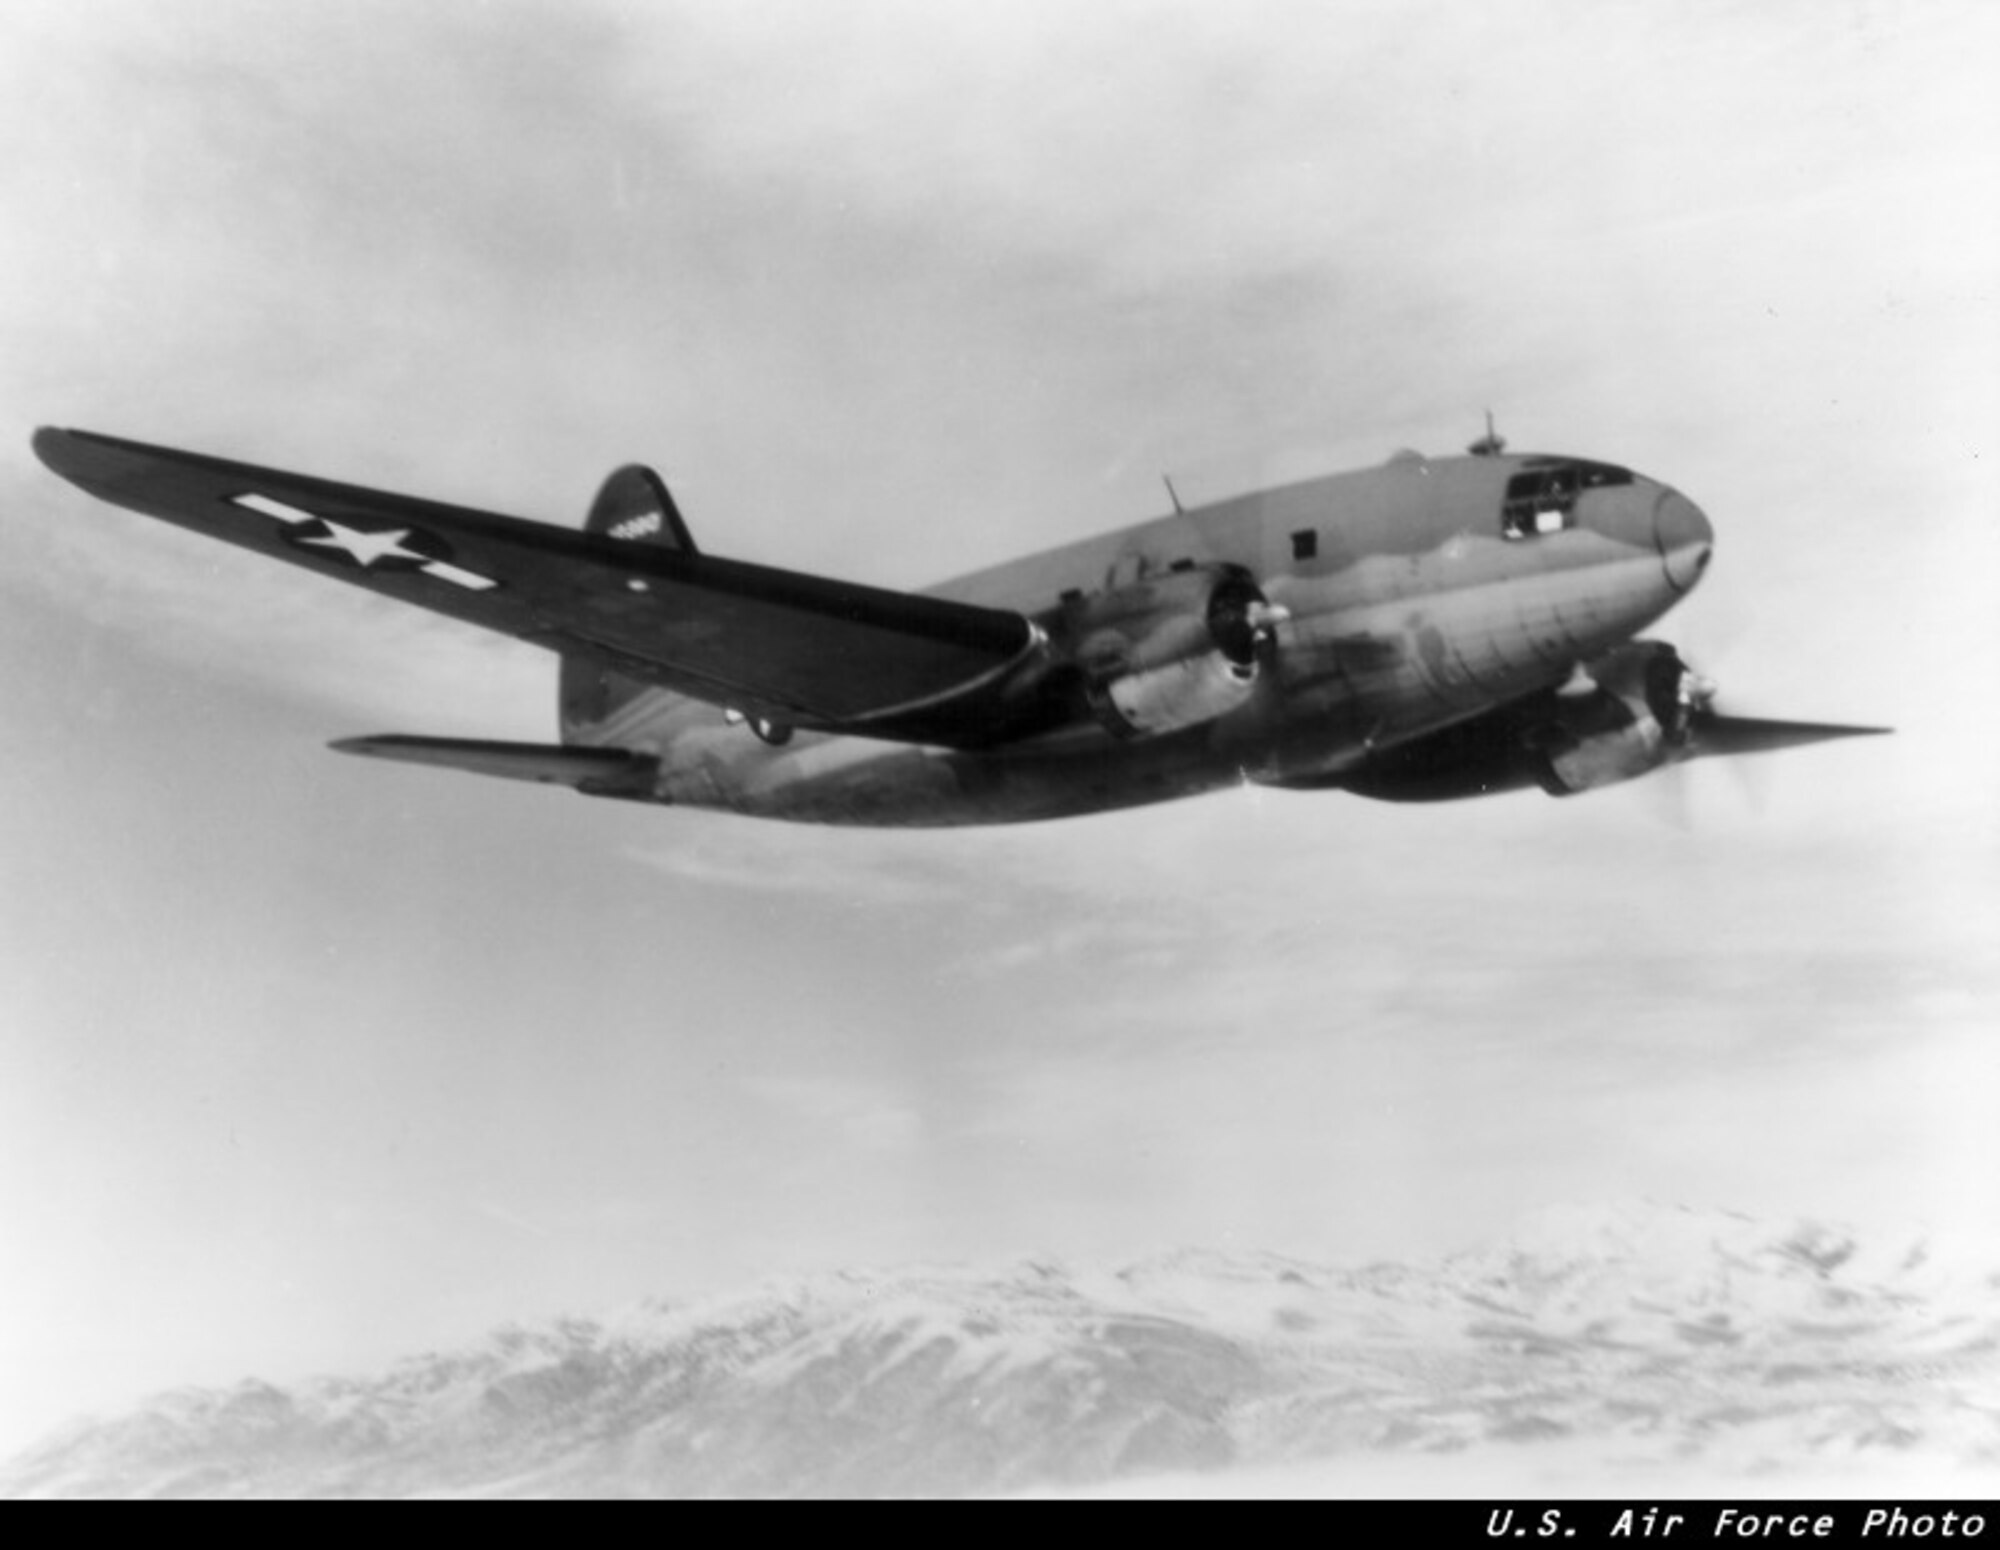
1174	651
1620	716
1633	712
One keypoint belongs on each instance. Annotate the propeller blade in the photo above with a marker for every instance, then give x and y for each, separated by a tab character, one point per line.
1668	799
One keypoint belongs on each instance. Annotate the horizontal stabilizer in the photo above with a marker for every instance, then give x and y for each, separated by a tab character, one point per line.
1716	736
596	771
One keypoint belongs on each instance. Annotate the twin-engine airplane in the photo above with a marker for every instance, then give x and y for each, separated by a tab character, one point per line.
1432	628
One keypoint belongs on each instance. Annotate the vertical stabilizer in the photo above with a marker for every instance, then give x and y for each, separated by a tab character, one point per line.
633	506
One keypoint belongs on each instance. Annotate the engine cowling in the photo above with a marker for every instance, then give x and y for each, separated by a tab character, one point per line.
1636	719
1629	712
1176	650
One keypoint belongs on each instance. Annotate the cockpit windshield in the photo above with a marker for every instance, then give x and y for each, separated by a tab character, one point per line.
1541	498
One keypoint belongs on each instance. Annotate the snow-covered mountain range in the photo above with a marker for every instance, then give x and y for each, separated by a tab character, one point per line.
1646	1348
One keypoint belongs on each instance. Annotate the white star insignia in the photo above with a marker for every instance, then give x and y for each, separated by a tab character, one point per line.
365	548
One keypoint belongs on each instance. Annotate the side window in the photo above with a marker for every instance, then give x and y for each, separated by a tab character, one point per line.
1539	501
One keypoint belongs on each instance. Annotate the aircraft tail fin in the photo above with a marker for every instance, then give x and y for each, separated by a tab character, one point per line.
609	772
634	505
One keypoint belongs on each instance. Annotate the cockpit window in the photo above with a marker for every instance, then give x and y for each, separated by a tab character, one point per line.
1541	498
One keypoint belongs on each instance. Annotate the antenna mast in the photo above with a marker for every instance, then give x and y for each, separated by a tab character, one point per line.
1492	444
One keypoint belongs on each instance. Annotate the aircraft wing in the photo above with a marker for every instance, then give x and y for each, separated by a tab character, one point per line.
1498	751
795	649
1716	736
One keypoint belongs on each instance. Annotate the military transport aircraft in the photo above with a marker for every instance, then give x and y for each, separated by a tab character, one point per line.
1432	628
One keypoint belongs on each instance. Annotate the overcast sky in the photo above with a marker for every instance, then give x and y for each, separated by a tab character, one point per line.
309	1062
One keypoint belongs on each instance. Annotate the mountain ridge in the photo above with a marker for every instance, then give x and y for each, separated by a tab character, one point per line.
1631	1341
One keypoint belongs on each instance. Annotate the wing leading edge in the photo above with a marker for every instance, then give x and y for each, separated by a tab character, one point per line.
779	645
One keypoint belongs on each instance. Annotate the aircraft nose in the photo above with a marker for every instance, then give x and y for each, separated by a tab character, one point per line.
1684	538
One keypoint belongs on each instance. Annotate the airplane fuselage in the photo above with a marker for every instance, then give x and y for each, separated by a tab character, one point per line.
1402	600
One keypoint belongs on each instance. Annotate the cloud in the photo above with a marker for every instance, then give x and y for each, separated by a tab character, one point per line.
855	867
864	1116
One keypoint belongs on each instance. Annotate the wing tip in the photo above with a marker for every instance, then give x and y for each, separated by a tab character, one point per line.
73	454
50	442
